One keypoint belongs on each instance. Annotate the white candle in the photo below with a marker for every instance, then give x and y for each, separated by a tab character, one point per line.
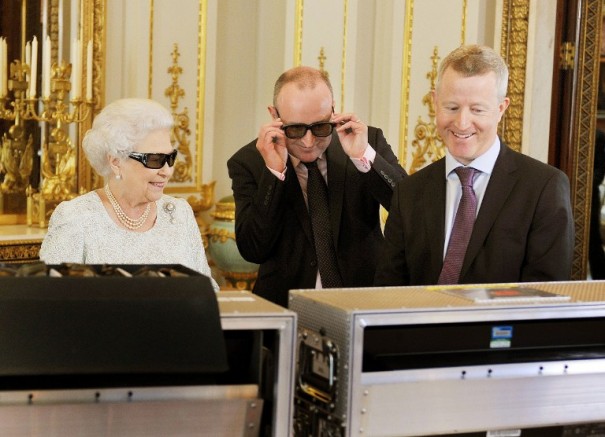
72	61
89	71
5	67
34	68
28	62
2	67
28	53
80	69
76	69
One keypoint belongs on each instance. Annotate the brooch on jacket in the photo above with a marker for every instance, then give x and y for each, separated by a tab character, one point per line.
169	208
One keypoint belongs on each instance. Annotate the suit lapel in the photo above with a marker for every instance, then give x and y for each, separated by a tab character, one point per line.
435	202
501	183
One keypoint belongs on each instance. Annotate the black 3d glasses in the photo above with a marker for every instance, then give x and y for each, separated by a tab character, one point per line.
155	160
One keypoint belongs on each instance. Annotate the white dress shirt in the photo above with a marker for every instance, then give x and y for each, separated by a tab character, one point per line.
485	164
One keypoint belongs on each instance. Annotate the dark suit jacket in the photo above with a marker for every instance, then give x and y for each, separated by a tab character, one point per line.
273	229
524	229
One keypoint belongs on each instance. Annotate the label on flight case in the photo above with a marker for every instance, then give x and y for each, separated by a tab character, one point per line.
501	337
504	433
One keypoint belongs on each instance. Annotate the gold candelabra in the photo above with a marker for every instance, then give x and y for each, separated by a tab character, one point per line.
57	108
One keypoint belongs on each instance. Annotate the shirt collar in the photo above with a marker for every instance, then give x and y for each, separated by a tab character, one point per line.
484	163
295	161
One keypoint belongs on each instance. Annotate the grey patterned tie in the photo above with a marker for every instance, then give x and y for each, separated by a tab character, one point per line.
463	228
317	198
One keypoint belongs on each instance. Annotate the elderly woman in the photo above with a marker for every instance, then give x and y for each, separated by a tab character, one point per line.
130	220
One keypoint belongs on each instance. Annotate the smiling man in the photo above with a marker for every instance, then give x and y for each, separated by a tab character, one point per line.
308	191
484	213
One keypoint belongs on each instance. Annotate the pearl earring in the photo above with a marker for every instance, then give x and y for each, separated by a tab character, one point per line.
118	177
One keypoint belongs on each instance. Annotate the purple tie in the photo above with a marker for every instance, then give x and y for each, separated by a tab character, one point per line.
463	227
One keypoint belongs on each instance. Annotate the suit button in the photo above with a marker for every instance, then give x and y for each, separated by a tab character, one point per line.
313	263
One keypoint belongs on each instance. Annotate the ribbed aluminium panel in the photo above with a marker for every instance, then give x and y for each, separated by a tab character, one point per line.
342	316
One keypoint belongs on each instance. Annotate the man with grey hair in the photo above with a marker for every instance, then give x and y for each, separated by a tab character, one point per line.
484	213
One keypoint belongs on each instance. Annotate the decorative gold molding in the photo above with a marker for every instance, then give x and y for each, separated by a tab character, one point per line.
322	60
515	26
427	146
197	185
53	30
405	81
17	251
343	66
583	129
180	130
151	22
298	40
298	29
463	35
201	95
93	28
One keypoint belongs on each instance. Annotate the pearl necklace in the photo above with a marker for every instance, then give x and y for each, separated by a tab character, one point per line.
124	219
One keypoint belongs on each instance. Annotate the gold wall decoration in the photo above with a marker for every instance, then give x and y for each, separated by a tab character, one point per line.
16	161
189	123
298	47
406	105
322	60
405	81
180	131
343	67
93	28
427	146
515	26
187	179
54	31
298	31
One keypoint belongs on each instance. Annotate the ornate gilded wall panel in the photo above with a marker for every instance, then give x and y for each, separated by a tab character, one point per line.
515	24
583	128
93	27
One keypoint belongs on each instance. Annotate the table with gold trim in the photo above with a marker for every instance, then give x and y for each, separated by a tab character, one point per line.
20	243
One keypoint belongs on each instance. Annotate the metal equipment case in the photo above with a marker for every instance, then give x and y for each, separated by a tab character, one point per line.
127	356
415	361
246	312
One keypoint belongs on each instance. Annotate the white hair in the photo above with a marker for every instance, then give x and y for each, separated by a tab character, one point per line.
119	127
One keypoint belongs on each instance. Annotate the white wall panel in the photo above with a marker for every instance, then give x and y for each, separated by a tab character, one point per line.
249	43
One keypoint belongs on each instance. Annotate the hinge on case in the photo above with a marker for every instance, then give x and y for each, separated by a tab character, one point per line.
567	55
